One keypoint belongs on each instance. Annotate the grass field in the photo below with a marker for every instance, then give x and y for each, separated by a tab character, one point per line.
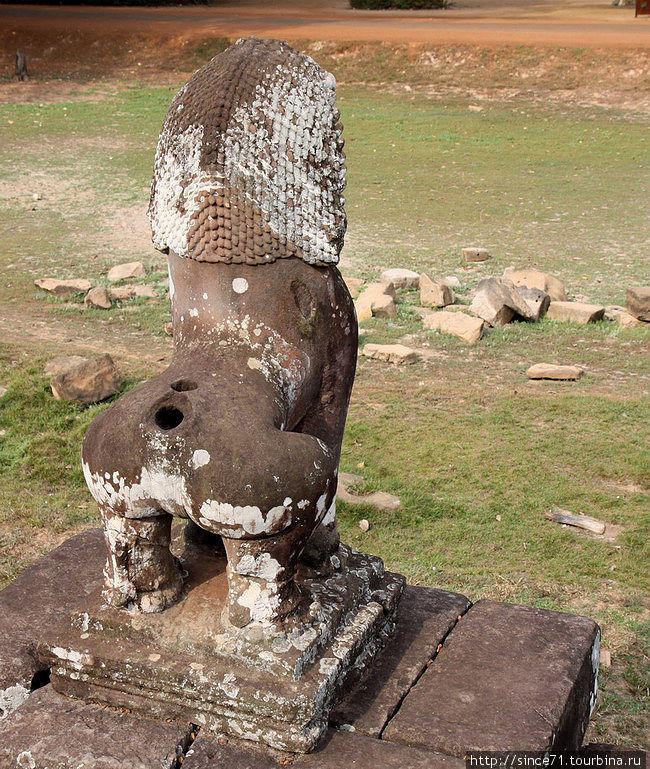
462	438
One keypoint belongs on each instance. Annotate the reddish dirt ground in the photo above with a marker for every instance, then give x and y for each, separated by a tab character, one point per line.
485	22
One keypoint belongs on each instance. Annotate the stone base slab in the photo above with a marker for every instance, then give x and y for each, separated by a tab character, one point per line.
500	677
188	664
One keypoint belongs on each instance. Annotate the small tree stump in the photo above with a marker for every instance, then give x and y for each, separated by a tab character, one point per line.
21	66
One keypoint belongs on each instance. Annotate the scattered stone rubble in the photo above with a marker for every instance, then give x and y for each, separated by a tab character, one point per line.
518	295
102	297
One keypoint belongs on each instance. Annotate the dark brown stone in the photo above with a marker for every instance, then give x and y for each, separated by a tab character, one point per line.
425	617
53	732
40	599
339	750
508	678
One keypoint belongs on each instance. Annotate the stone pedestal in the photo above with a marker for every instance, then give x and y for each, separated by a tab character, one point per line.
453	677
190	664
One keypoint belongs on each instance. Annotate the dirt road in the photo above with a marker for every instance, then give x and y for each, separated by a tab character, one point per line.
573	23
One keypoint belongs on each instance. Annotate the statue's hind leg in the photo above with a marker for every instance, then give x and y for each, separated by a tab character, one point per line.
140	570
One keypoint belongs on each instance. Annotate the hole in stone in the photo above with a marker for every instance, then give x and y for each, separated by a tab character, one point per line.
168	417
184	385
39	679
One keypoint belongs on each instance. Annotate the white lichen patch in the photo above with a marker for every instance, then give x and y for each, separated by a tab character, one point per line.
240	285
199	458
249	517
263	566
11	699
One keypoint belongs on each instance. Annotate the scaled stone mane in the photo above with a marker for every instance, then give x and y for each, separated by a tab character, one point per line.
242	433
249	166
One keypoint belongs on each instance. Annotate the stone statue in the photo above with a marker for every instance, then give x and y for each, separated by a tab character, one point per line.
242	433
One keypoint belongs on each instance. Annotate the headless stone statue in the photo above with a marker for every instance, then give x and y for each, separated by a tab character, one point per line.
242	433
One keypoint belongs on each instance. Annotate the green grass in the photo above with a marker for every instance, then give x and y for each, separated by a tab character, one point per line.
461	439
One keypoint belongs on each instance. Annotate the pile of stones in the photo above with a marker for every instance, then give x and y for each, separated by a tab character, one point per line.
102	297
517	295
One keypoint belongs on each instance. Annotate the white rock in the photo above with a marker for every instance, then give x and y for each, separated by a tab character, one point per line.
364	524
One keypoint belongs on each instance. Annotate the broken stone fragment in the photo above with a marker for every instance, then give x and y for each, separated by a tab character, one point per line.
364	524
98	298
638	302
474	254
578	312
63	287
380	500
400	277
434	293
130	291
89	382
126	271
532	278
498	302
451	281
391	353
377	300
625	320
553	371
537	301
465	327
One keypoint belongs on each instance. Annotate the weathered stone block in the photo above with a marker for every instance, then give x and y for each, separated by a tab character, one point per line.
537	279
498	302
508	678
40	600
89	382
434	293
458	324
391	353
53	732
638	302
401	278
63	287
377	299
473	254
339	750
579	312
554	371
98	298
425	617
126	271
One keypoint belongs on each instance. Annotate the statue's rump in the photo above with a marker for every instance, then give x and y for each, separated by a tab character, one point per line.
249	166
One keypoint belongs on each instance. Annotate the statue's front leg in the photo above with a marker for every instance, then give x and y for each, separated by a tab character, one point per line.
261	586
141	573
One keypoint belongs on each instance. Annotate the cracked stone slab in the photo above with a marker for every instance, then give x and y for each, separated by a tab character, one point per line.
508	678
50	731
337	750
39	599
425	617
